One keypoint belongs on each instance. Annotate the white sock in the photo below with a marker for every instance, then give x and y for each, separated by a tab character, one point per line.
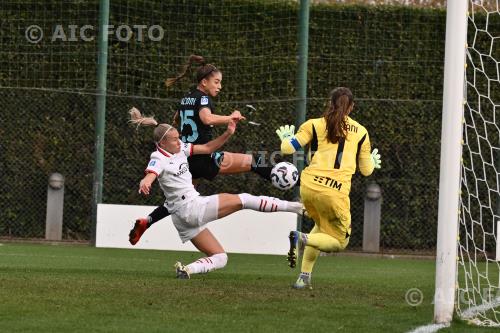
207	264
269	204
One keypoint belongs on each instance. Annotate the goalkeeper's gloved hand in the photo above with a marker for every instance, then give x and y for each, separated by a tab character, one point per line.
377	161
285	132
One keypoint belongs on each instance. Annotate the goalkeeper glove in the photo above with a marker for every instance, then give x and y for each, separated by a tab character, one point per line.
376	158
285	132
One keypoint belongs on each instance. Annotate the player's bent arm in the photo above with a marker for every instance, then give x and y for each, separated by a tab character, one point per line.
208	118
211	146
291	143
147	182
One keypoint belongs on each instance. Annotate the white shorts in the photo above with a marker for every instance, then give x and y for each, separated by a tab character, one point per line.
189	220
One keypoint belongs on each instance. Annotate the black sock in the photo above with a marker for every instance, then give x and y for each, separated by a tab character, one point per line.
159	213
263	171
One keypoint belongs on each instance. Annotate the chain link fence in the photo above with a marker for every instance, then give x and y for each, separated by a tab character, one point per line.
390	57
50	132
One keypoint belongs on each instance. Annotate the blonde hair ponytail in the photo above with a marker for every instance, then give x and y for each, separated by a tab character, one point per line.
138	119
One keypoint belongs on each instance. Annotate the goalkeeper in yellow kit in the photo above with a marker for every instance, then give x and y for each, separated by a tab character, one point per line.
338	144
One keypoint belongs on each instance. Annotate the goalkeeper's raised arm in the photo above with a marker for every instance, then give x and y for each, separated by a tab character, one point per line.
291	142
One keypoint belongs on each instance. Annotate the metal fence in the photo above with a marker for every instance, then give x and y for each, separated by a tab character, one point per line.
48	89
408	222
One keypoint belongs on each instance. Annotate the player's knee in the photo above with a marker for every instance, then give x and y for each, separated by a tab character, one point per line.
220	259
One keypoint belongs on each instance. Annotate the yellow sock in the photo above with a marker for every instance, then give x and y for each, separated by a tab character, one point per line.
323	242
309	259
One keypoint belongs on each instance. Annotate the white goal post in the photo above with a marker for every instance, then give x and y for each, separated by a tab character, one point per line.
450	166
468	240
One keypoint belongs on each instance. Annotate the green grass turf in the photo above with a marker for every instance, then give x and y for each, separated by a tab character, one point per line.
68	288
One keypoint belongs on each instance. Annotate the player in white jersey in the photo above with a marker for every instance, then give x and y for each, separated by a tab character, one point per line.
195	118
190	211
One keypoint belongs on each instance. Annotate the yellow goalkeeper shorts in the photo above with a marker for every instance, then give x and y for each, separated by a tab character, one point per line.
329	209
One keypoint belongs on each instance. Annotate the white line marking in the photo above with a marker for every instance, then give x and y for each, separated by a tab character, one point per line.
475	310
429	328
66	256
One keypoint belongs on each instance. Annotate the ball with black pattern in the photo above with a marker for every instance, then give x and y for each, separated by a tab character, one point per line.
284	176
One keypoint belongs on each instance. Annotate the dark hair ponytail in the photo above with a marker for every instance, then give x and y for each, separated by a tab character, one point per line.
341	102
203	72
192	58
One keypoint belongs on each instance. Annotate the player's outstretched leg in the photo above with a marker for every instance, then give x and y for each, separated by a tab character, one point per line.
142	224
269	204
237	163
231	203
201	266
216	257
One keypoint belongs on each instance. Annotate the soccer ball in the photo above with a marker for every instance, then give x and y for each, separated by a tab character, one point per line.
284	175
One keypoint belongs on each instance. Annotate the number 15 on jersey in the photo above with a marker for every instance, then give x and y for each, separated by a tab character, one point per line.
186	120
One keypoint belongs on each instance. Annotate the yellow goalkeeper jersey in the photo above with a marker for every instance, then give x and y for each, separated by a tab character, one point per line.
332	165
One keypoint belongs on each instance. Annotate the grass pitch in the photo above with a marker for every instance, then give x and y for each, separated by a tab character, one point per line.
74	288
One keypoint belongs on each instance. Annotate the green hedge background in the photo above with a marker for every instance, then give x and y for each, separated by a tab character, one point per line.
391	58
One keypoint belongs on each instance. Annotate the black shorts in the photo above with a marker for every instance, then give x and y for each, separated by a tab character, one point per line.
205	166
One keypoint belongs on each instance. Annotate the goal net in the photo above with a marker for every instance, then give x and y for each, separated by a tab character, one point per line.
478	280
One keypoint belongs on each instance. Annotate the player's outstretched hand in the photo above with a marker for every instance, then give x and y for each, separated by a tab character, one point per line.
377	161
236	116
145	186
285	132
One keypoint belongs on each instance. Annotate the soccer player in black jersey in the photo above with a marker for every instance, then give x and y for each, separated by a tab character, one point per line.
195	119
